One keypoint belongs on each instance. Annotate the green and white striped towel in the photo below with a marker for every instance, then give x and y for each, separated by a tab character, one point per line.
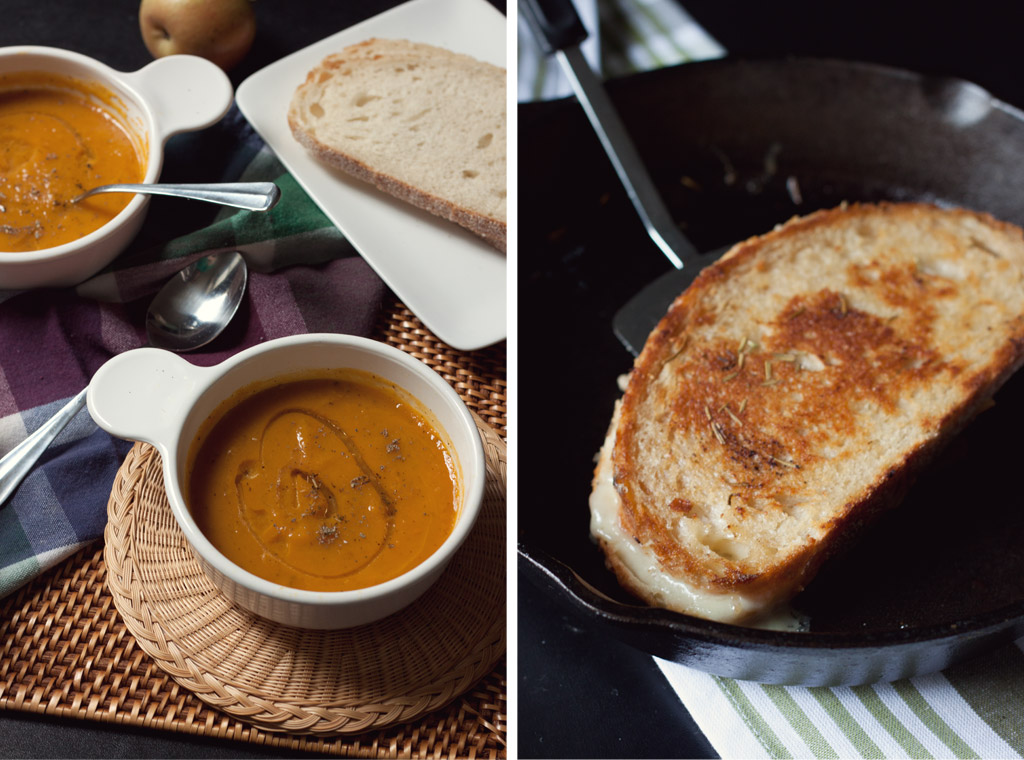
625	36
972	710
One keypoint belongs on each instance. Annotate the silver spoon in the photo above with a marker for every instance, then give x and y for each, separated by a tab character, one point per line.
254	196
191	310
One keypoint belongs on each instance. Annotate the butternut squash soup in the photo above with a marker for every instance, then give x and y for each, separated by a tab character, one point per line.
59	137
328	481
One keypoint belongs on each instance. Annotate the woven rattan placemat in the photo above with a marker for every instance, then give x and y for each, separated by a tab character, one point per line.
285	679
65	650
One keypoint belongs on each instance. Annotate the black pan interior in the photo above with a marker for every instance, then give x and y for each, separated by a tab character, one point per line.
736	147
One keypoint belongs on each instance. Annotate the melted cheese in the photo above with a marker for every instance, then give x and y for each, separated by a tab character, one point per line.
669	591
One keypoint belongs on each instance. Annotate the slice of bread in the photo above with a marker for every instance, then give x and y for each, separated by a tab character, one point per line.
794	391
422	123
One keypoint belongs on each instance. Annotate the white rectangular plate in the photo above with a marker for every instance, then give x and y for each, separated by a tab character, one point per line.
449	278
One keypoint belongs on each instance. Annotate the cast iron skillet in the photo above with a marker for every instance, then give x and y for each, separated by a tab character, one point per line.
735	148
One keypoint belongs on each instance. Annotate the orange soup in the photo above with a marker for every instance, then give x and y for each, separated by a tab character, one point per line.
329	481
58	137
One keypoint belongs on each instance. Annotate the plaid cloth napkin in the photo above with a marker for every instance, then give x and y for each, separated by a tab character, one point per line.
972	710
304	277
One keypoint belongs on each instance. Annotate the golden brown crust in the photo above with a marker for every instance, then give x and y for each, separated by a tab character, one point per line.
802	381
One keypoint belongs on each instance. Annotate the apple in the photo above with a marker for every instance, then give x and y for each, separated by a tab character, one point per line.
221	31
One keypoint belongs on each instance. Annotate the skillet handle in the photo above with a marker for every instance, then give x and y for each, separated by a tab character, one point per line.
554	23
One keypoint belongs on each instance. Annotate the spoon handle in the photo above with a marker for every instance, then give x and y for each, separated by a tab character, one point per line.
254	196
17	463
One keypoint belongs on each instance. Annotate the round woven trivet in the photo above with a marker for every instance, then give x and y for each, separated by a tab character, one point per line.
298	681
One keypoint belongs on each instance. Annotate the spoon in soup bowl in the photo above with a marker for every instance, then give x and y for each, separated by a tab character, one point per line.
254	196
190	311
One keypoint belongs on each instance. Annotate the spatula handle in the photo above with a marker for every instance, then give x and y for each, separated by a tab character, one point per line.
554	23
558	28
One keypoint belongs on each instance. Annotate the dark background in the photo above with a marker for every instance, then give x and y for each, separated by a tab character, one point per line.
582	693
108	30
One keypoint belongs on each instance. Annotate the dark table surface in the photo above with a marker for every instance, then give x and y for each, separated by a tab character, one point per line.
581	693
109	32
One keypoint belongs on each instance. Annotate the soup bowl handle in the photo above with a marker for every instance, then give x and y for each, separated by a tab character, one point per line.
185	92
143	394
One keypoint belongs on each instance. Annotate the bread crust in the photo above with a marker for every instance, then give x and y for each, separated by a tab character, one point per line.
402	53
801	383
492	230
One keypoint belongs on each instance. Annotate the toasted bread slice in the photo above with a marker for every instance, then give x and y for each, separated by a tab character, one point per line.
422	123
794	391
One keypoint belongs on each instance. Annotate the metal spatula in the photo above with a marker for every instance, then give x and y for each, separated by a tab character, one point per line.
560	33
